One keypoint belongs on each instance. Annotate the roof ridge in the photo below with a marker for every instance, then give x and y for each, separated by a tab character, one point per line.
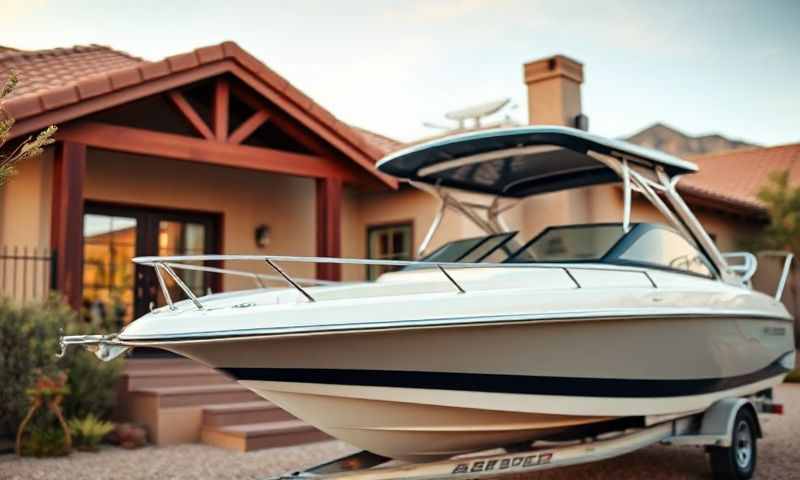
373	132
93	47
736	151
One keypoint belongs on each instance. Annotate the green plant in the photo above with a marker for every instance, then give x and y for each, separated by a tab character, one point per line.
45	442
29	148
46	394
29	341
782	200
88	431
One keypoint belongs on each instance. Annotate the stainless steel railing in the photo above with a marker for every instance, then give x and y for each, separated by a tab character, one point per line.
168	265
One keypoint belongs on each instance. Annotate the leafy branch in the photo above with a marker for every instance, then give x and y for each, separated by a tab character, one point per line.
782	200
31	147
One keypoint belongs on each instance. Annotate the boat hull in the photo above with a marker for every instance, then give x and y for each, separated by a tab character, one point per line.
434	392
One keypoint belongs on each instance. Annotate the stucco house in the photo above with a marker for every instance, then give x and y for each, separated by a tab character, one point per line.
211	151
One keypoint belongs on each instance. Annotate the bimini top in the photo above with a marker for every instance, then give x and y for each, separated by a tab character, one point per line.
521	161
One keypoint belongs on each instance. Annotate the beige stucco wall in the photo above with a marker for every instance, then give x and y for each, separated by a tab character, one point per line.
244	198
606	206
25	204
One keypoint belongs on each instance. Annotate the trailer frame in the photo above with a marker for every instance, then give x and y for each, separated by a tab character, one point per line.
711	428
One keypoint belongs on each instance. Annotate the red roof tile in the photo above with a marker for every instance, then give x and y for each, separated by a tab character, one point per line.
380	142
735	177
43	70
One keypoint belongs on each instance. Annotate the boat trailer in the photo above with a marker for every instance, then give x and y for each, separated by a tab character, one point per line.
728	430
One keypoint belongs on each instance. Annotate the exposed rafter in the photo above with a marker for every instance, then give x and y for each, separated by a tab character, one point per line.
249	126
284	124
183	105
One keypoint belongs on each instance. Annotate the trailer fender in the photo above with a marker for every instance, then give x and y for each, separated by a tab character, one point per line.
718	420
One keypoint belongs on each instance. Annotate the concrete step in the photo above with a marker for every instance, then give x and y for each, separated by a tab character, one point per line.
194	395
138	379
254	436
139	364
243	413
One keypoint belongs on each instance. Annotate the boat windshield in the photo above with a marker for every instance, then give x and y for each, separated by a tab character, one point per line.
492	248
644	245
569	243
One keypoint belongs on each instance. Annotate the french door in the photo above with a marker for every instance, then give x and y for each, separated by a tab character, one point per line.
113	287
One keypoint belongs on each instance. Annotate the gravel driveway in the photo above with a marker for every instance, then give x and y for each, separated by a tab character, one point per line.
779	458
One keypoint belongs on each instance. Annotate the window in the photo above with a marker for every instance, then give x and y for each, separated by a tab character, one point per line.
666	248
472	250
388	242
108	272
177	237
570	243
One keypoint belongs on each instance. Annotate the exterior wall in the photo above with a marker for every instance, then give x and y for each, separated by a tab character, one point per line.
25	203
606	206
245	199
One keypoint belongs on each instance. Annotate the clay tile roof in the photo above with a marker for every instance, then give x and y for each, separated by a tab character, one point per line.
383	143
51	80
43	70
735	177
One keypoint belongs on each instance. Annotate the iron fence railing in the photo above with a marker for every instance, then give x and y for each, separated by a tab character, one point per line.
27	273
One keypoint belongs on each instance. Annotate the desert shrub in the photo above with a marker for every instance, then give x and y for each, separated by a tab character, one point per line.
87	432
29	343
47	441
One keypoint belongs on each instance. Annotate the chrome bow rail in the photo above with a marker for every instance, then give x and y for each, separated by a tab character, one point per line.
168	265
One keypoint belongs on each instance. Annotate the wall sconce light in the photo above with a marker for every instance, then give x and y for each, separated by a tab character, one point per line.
262	236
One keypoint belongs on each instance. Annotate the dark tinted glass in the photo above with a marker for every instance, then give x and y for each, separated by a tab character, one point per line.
570	243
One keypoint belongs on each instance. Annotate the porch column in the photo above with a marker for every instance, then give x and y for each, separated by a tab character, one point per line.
329	219
66	235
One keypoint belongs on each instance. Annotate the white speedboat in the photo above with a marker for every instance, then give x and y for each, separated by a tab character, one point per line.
495	341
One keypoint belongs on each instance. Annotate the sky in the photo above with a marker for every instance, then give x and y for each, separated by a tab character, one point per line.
729	67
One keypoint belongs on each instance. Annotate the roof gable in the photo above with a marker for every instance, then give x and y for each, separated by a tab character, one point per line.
66	84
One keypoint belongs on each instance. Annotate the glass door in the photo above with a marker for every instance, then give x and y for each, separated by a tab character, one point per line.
177	237
116	289
109	244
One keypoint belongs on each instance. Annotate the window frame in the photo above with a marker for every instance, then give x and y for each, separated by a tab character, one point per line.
387	225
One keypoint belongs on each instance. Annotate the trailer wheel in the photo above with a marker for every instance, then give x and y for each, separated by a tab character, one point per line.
737	462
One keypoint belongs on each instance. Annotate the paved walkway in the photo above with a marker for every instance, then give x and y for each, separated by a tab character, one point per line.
779	458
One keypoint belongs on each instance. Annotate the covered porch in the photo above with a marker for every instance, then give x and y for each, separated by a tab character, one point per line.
216	161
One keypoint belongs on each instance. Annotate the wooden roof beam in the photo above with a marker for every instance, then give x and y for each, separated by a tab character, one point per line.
181	147
249	126
186	109
221	109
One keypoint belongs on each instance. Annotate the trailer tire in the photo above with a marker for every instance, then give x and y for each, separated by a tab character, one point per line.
737	462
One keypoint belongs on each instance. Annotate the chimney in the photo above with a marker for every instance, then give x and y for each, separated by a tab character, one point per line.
554	92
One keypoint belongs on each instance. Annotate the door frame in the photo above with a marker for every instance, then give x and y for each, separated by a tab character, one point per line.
144	236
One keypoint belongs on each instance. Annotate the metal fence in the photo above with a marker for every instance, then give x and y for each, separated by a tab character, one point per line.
27	273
